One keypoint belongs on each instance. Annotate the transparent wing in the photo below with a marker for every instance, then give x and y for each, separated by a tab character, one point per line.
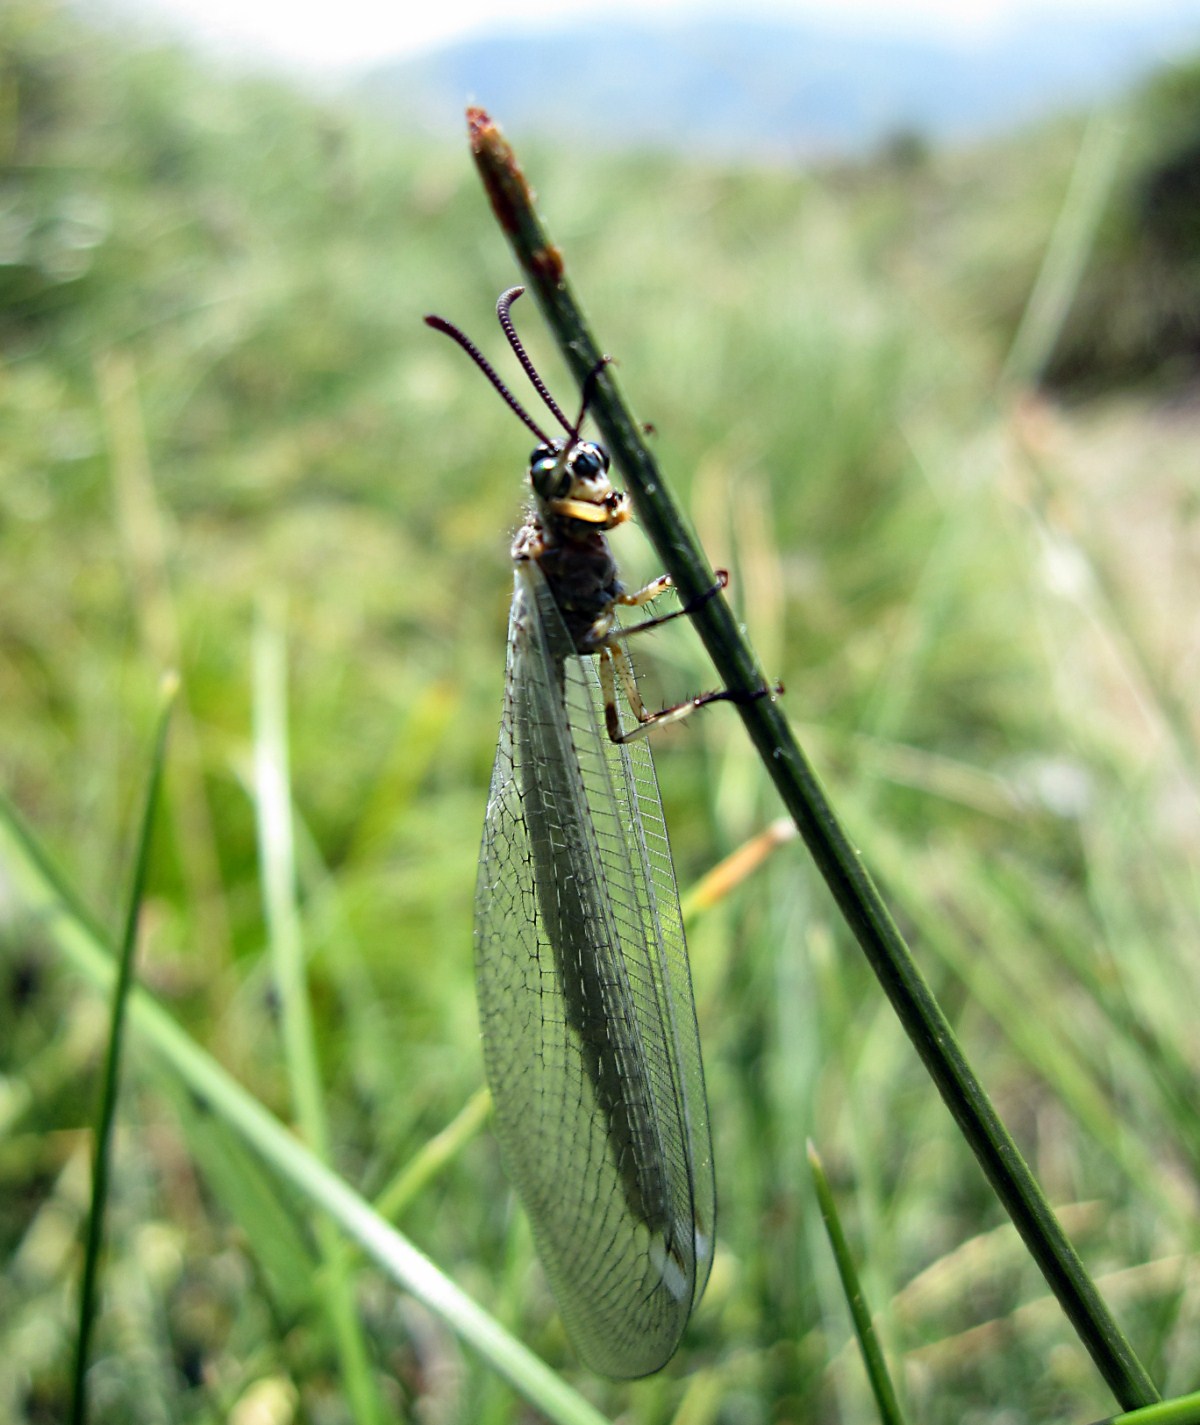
589	1027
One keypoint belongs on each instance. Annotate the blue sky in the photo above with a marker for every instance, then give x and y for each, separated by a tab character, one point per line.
348	33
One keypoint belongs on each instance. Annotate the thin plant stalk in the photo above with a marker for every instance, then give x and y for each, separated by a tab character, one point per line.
1183	1410
110	1078
273	811
441	1149
860	1313
835	854
1069	249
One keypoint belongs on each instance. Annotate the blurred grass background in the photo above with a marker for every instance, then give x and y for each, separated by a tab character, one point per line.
977	579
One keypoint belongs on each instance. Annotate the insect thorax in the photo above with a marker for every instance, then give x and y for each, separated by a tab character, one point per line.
581	573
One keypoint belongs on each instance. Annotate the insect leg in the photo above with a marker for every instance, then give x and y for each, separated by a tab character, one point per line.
651	591
605	635
615	664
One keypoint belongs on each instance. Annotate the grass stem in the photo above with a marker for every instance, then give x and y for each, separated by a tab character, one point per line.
110	1078
832	849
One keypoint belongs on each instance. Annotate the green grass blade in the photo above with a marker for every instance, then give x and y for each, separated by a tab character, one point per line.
110	1077
442	1148
1068	251
276	849
1183	1410
836	855
44	892
864	1328
273	812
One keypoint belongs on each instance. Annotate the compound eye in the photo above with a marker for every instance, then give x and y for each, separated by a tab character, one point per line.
548	473
589	461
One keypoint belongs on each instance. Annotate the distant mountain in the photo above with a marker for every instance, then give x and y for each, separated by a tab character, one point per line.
768	88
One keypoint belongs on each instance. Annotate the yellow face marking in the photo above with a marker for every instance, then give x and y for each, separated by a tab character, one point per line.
588	512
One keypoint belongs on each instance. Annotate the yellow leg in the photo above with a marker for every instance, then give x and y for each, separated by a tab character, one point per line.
614	665
608	644
651	591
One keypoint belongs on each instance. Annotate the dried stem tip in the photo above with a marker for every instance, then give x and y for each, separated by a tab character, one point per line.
510	195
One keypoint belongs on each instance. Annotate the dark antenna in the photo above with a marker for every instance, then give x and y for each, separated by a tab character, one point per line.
589	395
440	324
502	308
